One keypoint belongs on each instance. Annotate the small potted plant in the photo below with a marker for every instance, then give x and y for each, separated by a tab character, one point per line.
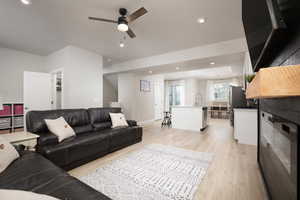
249	77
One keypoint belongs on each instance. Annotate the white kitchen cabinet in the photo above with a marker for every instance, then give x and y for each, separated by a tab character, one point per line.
245	126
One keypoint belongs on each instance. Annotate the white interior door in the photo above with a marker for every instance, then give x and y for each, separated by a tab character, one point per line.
158	100
37	91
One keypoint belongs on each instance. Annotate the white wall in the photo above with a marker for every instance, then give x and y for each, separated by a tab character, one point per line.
12	66
137	105
144	109
191	91
247	67
202	89
110	94
127	94
83	76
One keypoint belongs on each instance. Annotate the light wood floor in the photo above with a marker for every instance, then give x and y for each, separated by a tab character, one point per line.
233	175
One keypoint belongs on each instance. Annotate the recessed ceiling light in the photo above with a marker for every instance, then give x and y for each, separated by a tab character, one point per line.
212	63
26	2
177	68
122	44
150	72
201	20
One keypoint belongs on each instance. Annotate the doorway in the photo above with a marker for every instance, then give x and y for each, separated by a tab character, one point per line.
57	89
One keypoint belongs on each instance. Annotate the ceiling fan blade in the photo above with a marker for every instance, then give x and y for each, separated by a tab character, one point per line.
140	12
131	33
103	20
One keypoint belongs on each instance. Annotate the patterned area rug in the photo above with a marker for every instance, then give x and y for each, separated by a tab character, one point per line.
156	172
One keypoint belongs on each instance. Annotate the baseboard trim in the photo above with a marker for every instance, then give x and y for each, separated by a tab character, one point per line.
143	123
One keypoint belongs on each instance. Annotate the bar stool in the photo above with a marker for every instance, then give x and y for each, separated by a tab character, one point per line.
167	119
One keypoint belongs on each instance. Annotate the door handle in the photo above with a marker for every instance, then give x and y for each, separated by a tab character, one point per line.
276	120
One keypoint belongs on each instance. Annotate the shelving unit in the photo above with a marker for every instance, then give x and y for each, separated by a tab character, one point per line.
275	82
12	118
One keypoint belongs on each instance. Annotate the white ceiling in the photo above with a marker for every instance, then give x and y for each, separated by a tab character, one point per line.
206	74
170	25
225	66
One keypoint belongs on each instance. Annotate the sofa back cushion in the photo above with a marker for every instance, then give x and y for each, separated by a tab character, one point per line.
100	117
78	119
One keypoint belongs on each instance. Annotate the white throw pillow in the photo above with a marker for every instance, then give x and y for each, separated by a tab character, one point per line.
7	154
118	120
24	195
60	128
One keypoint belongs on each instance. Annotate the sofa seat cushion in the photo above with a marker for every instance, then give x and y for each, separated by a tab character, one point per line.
47	139
88	144
121	136
32	172
76	148
28	172
70	188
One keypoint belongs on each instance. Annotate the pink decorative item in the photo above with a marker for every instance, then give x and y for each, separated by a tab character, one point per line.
6	110
18	109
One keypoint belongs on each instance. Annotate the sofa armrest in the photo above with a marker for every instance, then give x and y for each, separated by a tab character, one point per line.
131	123
47	139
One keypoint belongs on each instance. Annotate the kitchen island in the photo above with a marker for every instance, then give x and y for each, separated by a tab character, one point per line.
192	118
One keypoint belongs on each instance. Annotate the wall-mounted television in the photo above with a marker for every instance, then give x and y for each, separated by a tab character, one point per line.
265	28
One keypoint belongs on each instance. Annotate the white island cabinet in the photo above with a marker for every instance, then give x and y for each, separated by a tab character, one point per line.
189	118
245	126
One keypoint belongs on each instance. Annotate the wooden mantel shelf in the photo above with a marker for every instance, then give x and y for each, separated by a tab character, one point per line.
275	82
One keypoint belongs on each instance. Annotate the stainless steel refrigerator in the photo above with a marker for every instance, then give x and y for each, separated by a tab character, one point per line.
237	99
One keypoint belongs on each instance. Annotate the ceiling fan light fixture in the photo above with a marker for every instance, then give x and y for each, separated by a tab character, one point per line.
122	24
123	20
123	27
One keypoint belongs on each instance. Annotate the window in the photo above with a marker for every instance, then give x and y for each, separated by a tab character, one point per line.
220	92
176	95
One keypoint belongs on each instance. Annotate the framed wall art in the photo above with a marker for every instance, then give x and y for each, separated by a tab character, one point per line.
145	86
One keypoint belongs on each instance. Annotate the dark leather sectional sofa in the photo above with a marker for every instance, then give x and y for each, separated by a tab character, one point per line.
32	172
94	138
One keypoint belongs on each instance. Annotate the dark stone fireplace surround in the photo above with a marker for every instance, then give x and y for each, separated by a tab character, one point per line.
287	108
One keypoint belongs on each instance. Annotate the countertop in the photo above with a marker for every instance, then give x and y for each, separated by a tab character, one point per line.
189	106
246	109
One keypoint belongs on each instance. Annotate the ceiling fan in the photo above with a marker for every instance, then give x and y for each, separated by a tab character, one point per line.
124	20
